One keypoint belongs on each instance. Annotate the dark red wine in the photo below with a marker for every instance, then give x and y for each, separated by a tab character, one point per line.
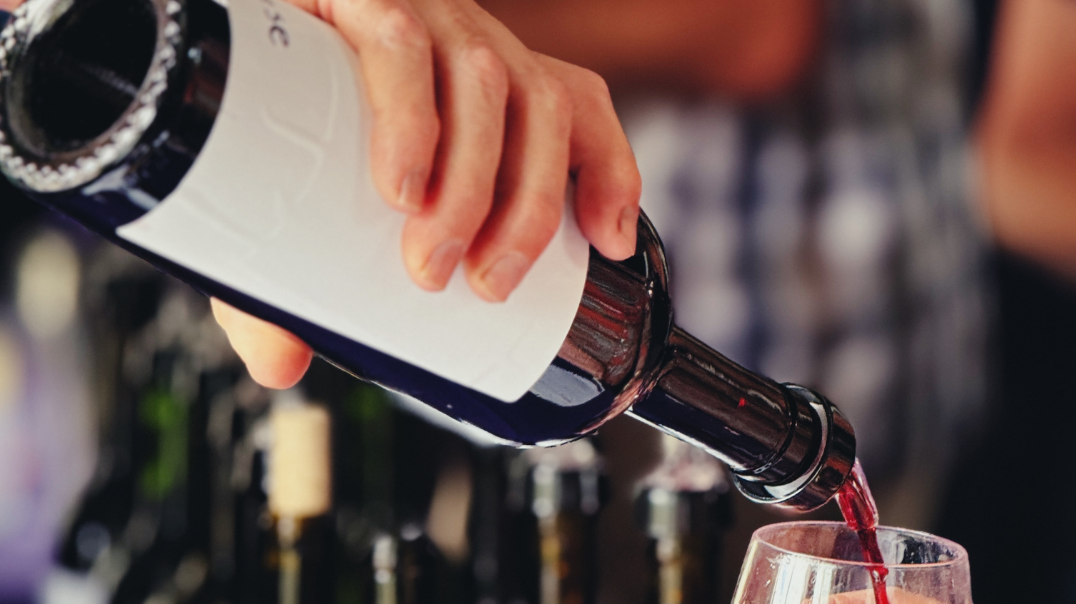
861	514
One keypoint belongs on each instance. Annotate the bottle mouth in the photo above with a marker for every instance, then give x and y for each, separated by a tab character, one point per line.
80	83
830	468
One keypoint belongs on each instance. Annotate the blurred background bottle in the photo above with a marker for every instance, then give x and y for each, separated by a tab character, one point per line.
46	417
566	497
684	506
300	501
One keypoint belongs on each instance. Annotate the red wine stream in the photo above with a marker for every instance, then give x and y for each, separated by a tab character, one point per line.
861	514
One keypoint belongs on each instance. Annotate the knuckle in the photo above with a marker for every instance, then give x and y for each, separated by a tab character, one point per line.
543	216
397	27
481	63
596	86
552	95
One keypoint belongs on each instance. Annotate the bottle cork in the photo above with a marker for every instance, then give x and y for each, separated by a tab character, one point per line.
299	461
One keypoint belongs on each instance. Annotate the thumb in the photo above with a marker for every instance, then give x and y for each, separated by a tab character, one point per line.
275	358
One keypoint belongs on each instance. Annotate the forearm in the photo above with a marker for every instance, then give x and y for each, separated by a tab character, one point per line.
1027	133
1030	192
746	50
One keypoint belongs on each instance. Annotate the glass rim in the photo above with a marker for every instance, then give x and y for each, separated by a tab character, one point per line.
960	554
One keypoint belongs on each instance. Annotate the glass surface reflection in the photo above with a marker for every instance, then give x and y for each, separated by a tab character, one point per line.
822	563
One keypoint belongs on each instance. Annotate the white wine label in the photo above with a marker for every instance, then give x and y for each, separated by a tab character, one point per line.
280	205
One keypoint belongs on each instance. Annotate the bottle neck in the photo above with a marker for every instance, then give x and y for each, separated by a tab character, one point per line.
745	419
783	443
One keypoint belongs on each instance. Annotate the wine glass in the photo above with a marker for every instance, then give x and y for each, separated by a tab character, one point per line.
822	563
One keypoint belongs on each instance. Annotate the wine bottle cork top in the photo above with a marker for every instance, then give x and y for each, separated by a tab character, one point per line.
299	461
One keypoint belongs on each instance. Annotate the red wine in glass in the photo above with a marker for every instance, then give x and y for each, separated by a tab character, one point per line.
861	514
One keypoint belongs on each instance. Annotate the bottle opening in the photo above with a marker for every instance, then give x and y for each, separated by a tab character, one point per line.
80	75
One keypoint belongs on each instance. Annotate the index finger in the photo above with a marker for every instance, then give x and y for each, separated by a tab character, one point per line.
608	185
395	53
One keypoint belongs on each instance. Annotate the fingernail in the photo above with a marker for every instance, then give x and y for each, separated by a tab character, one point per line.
441	263
629	216
412	192
505	274
627	225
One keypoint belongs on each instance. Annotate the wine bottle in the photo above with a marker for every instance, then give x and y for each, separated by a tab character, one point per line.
566	497
142	530
683	506
363	471
226	146
207	571
172	365
255	580
300	473
91	555
126	293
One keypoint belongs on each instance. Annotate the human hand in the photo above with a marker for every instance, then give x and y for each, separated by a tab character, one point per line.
474	136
